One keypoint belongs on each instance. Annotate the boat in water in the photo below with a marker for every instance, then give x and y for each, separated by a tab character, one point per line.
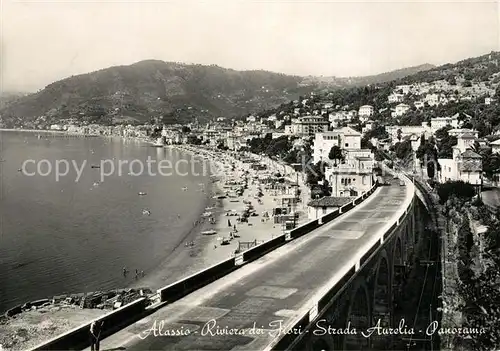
185	188
209	232
146	212
141	193
95	166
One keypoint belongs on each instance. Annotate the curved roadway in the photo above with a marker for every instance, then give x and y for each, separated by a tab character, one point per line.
270	292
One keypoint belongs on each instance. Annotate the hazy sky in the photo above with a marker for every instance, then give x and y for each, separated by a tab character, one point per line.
43	41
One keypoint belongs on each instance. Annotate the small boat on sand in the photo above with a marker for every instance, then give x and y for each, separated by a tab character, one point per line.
209	232
207	214
184	188
95	166
146	212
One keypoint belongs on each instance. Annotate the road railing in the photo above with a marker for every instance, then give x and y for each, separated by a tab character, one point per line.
322	300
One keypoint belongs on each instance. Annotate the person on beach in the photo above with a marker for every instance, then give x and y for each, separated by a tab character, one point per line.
124	271
95	334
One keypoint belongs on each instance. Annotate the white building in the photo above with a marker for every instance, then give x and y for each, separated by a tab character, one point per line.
395	98
309	126
318	208
432	99
336	118
406	131
353	178
441	122
419	104
344	138
401	109
495	146
365	111
466	165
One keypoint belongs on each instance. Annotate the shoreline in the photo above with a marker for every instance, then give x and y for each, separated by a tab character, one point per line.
186	260
33	130
182	260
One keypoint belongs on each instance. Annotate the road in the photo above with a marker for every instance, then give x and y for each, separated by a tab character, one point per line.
266	293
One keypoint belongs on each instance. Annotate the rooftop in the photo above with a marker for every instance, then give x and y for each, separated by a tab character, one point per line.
467	135
350	131
330	201
470	154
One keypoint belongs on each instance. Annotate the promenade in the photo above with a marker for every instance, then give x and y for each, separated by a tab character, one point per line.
267	293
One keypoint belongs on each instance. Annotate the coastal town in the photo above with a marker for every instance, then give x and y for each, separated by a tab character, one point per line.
277	169
428	119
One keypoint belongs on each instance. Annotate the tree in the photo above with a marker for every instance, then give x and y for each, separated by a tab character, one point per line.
458	189
399	134
443	132
403	149
315	173
336	154
431	170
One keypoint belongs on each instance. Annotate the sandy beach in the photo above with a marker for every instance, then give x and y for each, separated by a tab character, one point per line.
226	199
218	234
260	226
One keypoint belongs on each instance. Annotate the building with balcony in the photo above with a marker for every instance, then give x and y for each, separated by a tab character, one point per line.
345	138
309	125
351	179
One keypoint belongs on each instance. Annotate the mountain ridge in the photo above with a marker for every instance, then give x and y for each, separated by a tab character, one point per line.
173	91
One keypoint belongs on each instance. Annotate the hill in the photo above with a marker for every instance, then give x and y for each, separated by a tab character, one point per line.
175	92
152	89
332	82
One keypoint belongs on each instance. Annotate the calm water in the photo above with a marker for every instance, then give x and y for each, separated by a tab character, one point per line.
65	236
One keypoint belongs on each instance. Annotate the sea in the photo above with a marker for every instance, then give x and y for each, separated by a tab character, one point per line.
76	232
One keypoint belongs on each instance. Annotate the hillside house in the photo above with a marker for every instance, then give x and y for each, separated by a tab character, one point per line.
495	146
401	109
365	112
465	165
395	98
